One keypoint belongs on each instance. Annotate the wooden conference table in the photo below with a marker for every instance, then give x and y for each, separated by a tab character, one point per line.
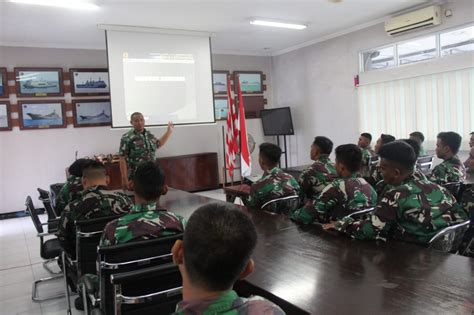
307	270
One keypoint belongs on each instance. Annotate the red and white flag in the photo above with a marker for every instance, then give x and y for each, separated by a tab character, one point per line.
245	163
231	132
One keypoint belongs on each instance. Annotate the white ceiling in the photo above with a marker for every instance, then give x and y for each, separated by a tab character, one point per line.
39	26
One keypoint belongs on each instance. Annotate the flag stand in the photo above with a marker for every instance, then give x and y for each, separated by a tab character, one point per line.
225	168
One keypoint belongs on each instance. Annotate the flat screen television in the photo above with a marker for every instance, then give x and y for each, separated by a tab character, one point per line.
277	121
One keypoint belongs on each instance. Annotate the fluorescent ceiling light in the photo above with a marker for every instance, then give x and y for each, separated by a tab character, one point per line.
69	4
278	24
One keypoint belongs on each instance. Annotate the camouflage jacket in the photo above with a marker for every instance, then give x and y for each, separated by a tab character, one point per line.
449	171
229	303
367	153
467	245
273	184
69	192
94	202
338	199
142	223
414	211
313	179
138	147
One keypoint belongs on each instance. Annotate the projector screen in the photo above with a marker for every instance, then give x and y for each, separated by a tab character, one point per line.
166	77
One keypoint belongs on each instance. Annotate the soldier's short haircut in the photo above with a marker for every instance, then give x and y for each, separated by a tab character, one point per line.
148	180
418	135
324	144
414	145
135	113
270	152
350	155
472	133
94	170
76	167
451	139
218	241
399	153
366	135
386	138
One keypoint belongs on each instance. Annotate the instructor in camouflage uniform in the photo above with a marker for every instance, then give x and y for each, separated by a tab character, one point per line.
138	145
412	210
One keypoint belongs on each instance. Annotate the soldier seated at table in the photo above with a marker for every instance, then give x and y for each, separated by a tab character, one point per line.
375	174
274	183
95	202
364	144
451	170
313	179
467	246
344	195
412	210
72	188
216	252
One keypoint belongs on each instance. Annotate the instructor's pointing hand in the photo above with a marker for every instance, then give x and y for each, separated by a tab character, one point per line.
170	126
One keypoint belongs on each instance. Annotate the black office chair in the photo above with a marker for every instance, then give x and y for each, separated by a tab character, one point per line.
49	250
424	163
53	220
454	188
284	205
54	192
449	238
373	161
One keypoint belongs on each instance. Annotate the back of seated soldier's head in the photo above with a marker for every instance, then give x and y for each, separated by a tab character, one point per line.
364	140
323	144
348	159
94	174
418	137
149	181
75	169
384	139
415	146
448	144
269	155
397	161
218	242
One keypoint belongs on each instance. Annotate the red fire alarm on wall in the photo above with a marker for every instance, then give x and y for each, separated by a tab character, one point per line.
356	80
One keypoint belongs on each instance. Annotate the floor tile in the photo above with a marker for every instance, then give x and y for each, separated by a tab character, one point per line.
20	305
16	275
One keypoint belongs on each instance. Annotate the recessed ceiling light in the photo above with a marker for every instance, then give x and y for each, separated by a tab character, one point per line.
278	24
70	4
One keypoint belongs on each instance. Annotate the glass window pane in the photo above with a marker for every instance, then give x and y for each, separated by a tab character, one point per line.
378	58
417	50
457	41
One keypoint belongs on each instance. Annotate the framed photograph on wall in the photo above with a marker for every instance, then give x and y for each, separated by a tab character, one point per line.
91	113
221	108
5	116
250	82
41	114
219	81
39	82
89	82
3	83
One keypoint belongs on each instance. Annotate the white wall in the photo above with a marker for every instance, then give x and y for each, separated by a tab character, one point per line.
317	81
37	158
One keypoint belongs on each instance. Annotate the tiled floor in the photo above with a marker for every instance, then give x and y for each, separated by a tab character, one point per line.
21	264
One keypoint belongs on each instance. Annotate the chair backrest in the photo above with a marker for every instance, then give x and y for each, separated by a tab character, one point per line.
54	189
88	233
361	213
373	161
45	198
454	188
284	205
30	208
424	163
127	257
449	238
153	290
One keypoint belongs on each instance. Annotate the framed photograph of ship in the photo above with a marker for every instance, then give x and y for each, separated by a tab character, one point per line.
39	82
90	113
219	81
250	82
89	82
221	108
5	117
41	114
3	83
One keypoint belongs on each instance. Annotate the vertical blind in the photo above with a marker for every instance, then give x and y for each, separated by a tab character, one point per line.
430	104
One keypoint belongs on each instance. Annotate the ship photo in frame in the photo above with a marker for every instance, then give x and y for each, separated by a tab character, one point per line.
89	82
41	114
90	113
39	82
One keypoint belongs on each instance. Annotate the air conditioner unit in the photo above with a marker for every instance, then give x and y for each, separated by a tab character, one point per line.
415	20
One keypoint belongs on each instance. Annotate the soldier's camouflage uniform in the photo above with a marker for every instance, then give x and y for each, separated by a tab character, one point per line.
273	184
449	171
94	202
69	192
338	199
414	211
138	147
468	206
142	223
229	303
313	179
367	153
